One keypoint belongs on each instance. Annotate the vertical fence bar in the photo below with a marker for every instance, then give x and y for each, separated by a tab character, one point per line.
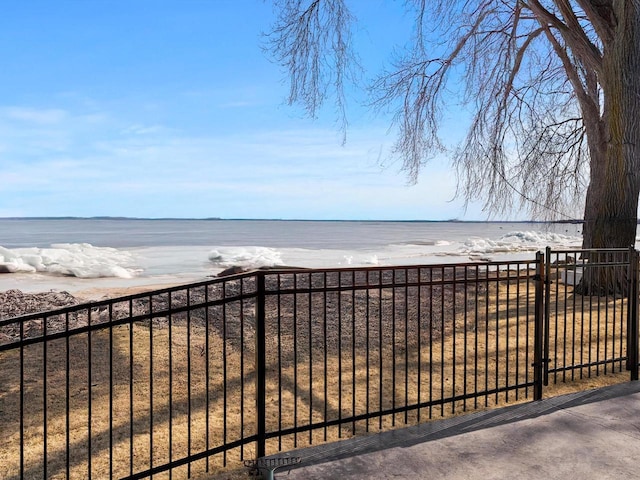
241	315
89	396
310	339
623	338
465	329
540	331
225	372
486	337
393	346
295	359
573	316
44	396
380	349
517	367
21	399
527	311
556	325
599	261
367	351
475	336
497	342
589	304
261	370
280	367
582	325
506	336
111	393
632	312
353	352
324	356
170	348
279	313
150	382
419	335
544	277
614	311
207	370
430	343
442	338
406	344
131	415
189	382
454	273
609	280
67	399
339	355
565	325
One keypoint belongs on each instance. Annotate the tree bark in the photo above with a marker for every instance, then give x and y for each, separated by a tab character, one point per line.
611	204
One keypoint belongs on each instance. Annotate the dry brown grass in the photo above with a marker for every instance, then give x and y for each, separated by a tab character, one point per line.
489	347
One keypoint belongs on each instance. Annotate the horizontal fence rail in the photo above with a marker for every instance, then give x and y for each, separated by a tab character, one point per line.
178	382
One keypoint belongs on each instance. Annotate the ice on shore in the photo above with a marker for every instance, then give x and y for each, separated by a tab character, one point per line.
246	256
516	242
80	260
66	263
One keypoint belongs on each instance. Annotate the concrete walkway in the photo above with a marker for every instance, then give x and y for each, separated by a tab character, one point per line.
586	435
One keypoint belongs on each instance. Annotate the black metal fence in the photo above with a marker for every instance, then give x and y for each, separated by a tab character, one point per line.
591	302
181	381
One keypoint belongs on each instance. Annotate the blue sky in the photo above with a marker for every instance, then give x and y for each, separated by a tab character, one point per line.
154	108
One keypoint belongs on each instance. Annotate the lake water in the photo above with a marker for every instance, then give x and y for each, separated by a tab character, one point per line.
72	254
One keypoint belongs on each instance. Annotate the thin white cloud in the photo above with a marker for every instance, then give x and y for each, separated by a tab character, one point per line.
139	129
35	116
107	166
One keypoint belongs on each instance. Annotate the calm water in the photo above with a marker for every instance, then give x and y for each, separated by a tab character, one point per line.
82	254
17	233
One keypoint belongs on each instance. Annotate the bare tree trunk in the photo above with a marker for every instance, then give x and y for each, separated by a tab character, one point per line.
610	222
611	207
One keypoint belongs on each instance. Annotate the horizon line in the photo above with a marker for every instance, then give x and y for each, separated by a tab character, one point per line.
108	217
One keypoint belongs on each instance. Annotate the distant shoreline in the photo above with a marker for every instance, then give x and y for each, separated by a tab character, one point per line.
173	219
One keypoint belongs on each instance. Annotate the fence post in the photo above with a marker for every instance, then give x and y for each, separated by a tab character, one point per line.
546	285
632	315
261	427
538	328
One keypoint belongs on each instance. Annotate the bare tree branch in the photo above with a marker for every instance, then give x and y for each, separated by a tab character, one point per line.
571	31
536	75
312	40
573	75
419	84
600	15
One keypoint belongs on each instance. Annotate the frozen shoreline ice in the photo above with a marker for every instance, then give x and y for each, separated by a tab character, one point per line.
80	266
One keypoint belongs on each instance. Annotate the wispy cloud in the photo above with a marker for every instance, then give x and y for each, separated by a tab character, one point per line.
58	163
144	130
35	116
